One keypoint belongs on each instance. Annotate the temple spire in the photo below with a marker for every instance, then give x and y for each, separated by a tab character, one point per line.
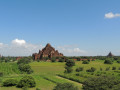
110	55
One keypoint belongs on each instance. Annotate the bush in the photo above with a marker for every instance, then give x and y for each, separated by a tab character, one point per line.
23	61
108	62
37	89
113	68
65	86
68	69
25	68
101	69
25	88
108	68
27	81
70	63
100	83
85	62
61	60
92	69
118	61
1	74
10	82
53	59
79	69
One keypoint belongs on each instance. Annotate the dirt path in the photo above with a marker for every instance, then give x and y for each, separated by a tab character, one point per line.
75	83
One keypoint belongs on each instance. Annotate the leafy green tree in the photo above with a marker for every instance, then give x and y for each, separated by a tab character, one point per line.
101	83
85	62
25	68
23	61
70	63
108	61
61	60
92	69
79	69
27	81
53	59
68	69
10	82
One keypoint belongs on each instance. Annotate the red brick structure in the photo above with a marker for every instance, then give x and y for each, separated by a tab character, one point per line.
110	55
48	51
18	58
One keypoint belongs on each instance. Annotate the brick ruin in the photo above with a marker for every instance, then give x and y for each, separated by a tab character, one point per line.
48	51
110	55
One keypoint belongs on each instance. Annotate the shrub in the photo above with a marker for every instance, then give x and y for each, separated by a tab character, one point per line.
10	82
53	59
25	88
116	87
23	61
118	61
61	60
100	83
1	74
68	69
27	81
37	89
113	68
101	69
79	69
77	74
25	68
108	68
85	62
108	62
70	63
65	86
92	69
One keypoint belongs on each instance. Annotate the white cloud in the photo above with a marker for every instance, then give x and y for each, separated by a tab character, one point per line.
19	42
1	44
22	48
77	50
19	48
112	15
71	51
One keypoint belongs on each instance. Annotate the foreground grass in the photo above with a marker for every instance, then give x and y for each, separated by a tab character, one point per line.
45	73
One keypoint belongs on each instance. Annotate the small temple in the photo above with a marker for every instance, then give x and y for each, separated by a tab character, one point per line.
48	51
110	55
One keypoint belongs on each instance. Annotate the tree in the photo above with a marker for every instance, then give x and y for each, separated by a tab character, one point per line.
68	69
79	69
92	69
25	68
65	86
27	81
85	62
53	59
70	63
23	61
10	82
108	62
101	83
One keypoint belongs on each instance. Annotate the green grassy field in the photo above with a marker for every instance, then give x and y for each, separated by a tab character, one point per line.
45	73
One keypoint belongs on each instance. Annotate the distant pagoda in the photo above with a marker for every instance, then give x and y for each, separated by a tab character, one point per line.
110	55
48	51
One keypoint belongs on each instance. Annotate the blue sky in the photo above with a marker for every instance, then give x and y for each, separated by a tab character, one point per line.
74	27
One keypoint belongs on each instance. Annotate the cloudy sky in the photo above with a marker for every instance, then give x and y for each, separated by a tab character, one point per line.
74	27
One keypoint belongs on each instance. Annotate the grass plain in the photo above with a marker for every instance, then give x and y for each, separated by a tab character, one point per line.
45	73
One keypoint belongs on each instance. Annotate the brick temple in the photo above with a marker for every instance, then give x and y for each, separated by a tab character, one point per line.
110	55
48	51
